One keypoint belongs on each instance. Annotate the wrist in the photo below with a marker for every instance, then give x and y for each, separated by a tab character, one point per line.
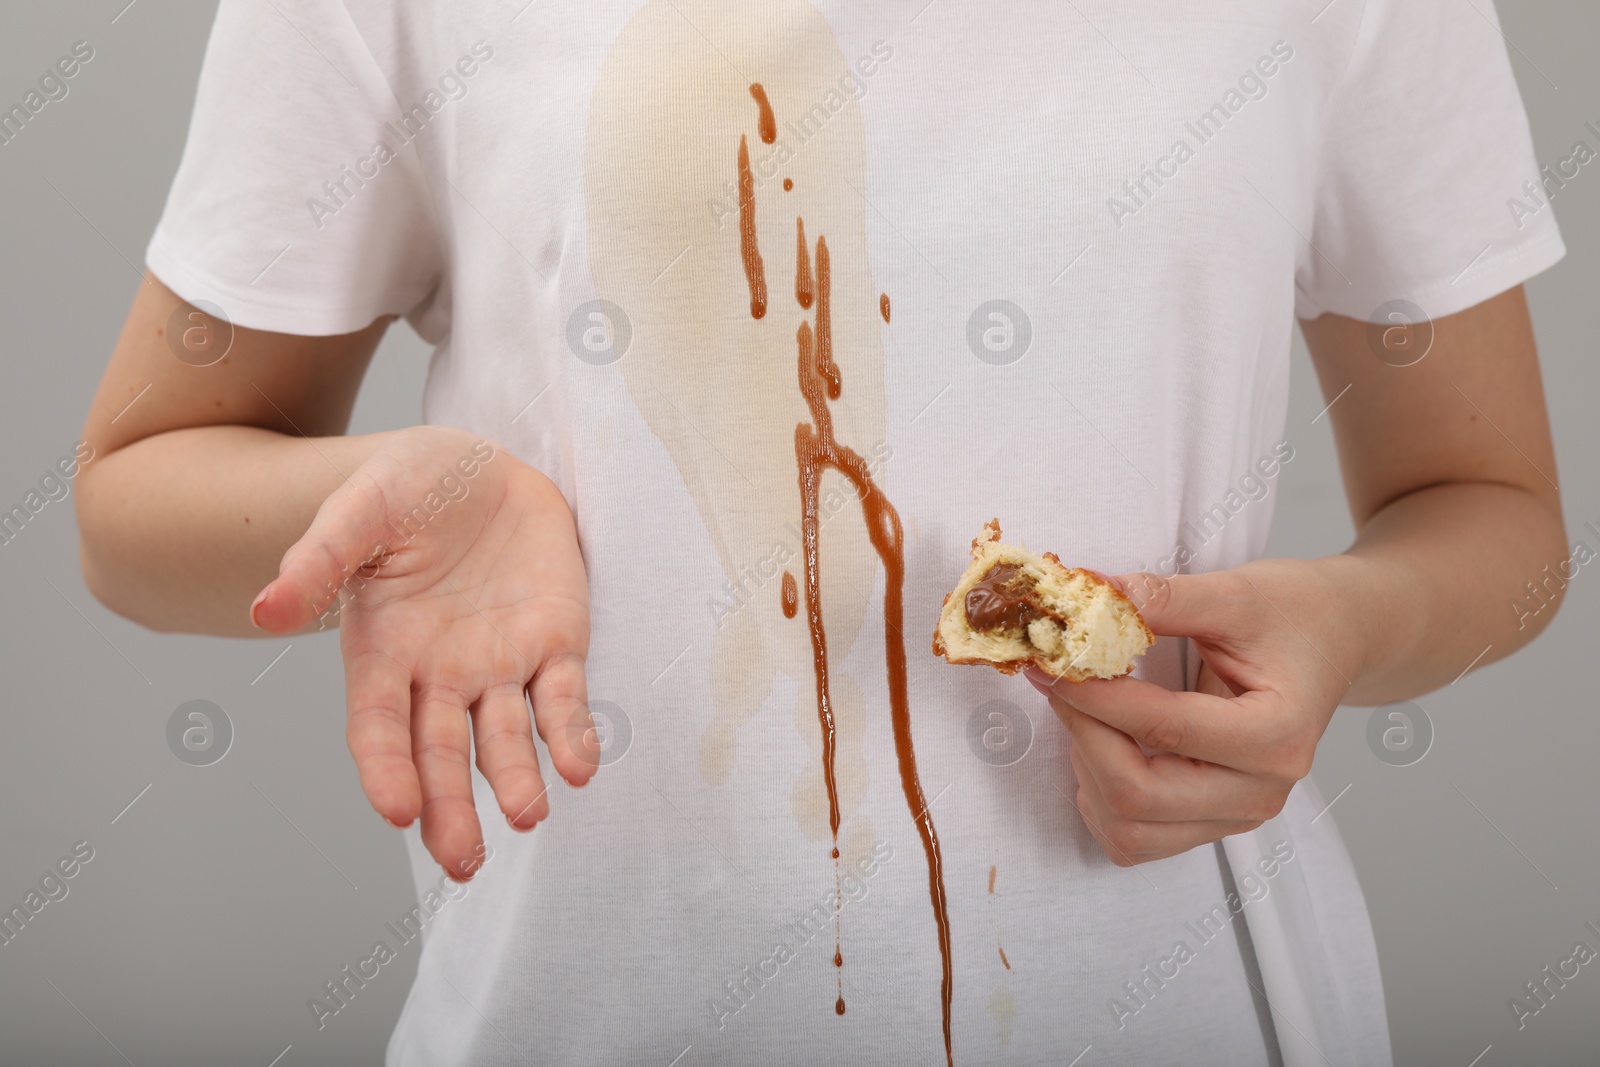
1376	610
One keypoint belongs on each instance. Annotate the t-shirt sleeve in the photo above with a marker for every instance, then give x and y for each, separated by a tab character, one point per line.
298	206
1427	188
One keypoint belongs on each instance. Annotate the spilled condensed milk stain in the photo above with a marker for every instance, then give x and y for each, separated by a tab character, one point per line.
804	287
766	124
838	962
883	306
750	251
791	596
715	388
1003	1002
1003	1009
816	449
826	368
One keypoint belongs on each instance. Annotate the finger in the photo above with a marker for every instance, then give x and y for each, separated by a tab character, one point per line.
560	696
1110	580
1199	725
1130	841
1189	605
440	742
347	533
1127	844
1164	787
378	731
503	739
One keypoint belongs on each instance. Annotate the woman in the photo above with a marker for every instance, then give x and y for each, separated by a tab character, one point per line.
697	499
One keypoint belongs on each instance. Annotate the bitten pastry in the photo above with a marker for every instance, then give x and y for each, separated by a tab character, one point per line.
1013	609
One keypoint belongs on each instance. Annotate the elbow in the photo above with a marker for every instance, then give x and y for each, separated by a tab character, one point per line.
1535	604
113	588
110	578
100	580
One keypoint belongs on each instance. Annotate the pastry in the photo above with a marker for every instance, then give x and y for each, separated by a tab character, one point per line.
1014	609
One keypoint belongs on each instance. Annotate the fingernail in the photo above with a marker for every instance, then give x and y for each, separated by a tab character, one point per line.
391	822
256	603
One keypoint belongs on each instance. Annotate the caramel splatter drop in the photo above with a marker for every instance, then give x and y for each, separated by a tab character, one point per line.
767	125
883	306
804	286
791	596
754	271
825	366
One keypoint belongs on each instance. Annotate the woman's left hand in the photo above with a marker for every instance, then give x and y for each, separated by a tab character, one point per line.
1281	645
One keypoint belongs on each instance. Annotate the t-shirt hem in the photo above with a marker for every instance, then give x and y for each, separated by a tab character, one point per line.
255	310
1490	276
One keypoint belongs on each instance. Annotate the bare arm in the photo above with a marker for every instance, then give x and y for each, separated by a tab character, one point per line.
203	476
1450	474
225	497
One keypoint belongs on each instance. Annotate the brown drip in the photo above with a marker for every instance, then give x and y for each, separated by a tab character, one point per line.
806	448
1003	959
788	183
804	287
838	927
815	451
992	872
825	364
999	601
767	126
791	596
838	961
754	272
883	306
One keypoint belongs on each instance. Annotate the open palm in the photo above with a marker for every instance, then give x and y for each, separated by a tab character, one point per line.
455	573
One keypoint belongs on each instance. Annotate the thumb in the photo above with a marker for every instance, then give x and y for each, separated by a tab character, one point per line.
1178	605
344	546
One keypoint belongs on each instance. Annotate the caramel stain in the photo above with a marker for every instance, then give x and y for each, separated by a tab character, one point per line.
766	124
791	596
816	450
804	286
1003	1009
754	271
883	306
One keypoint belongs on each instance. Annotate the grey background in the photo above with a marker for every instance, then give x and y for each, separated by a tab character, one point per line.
223	898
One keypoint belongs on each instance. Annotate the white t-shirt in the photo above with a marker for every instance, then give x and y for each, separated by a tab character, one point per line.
1067	244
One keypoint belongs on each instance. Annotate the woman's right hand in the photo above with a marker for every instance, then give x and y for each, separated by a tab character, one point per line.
455	572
